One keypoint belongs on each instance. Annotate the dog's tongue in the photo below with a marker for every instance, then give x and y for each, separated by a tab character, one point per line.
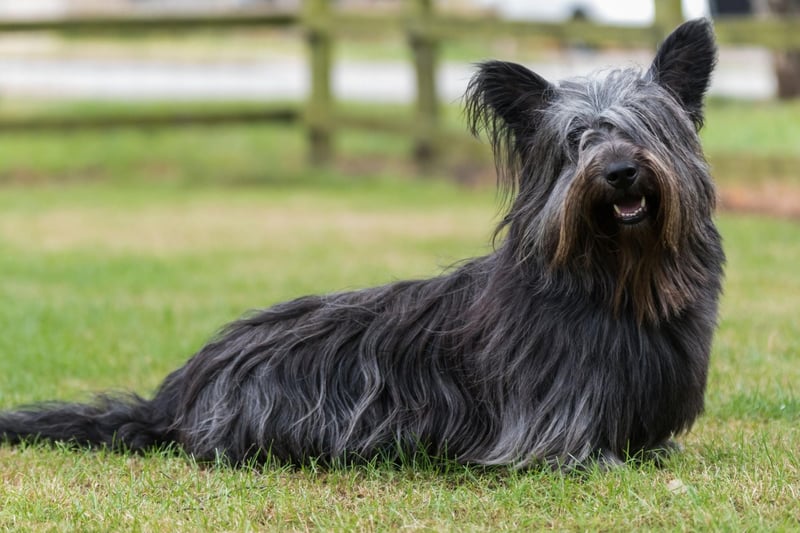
630	207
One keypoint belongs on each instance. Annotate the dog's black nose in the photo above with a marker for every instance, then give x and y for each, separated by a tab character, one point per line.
621	174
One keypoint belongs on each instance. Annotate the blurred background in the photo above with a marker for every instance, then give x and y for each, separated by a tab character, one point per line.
362	85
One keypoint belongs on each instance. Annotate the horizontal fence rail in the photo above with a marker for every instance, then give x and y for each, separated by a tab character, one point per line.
158	118
106	23
422	27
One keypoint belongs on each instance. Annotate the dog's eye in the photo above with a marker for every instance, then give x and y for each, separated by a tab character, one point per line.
574	137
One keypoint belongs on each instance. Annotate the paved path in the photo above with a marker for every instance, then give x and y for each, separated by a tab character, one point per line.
742	73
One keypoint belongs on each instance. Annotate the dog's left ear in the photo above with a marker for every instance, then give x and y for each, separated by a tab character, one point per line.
683	65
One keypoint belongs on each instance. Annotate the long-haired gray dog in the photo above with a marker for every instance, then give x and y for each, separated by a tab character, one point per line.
585	334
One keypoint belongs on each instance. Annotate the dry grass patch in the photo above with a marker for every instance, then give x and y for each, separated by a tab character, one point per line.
165	230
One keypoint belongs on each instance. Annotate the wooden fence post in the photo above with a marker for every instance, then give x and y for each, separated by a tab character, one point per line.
320	104
425	51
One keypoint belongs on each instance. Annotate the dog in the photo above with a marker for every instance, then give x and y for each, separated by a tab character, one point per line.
584	336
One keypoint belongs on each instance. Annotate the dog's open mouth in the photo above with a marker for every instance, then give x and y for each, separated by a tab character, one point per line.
630	209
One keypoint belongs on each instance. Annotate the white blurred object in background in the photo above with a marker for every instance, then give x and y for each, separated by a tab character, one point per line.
32	8
626	12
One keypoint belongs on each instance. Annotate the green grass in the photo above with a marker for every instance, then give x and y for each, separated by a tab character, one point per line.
111	285
122	252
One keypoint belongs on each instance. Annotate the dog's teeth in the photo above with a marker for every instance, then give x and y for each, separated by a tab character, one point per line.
616	210
644	202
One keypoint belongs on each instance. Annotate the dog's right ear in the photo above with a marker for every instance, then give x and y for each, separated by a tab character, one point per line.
502	99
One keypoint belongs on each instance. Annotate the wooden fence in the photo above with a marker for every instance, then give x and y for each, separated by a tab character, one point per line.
423	28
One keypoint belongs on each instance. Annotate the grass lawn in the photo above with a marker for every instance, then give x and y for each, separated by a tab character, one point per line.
121	253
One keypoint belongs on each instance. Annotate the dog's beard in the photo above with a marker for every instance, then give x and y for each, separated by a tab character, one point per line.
637	233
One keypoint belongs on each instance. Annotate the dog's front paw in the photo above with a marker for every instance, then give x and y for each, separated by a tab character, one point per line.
660	453
608	460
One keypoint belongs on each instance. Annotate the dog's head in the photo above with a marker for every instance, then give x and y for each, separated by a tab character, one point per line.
605	172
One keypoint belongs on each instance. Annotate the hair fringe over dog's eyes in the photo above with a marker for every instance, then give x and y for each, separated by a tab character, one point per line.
574	137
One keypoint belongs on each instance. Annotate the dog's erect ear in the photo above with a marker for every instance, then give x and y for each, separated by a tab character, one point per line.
502	99
683	65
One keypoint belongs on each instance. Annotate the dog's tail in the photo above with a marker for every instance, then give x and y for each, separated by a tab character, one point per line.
115	422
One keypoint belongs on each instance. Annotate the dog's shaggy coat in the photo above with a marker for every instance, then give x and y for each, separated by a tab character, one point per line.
586	333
